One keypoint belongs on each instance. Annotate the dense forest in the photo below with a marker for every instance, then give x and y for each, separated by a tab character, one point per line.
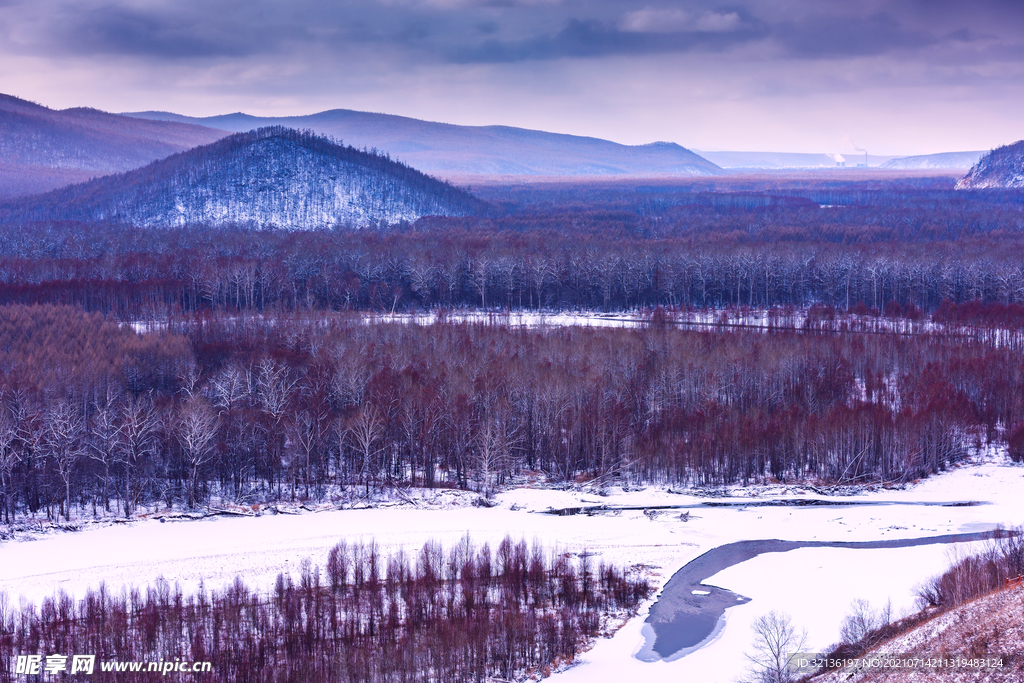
886	347
465	614
543	249
97	419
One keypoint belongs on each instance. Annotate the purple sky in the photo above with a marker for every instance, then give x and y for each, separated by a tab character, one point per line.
892	77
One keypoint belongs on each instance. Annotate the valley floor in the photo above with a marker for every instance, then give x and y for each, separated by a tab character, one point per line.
813	585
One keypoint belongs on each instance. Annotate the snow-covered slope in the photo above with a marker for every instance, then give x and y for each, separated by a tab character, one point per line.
982	640
271	177
1002	167
937	161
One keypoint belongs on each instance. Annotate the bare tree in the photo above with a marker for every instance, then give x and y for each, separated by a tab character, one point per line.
138	434
9	458
422	277
63	429
189	380
274	387
308	431
230	387
196	426
365	428
538	271
496	439
862	619
106	437
350	380
775	641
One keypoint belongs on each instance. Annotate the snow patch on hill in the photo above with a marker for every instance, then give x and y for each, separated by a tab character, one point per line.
273	177
935	161
1000	168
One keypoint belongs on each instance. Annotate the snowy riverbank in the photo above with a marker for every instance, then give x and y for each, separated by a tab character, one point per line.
814	585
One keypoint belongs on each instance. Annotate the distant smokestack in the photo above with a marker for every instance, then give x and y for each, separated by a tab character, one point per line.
865	154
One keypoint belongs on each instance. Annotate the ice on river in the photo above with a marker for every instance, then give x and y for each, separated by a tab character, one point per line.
814	585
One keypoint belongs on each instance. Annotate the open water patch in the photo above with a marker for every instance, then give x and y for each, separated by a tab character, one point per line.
689	614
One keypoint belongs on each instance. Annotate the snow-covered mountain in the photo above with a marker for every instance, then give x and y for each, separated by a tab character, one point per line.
942	160
1002	167
271	177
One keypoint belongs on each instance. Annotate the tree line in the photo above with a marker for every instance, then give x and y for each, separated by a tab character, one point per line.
153	274
465	614
248	410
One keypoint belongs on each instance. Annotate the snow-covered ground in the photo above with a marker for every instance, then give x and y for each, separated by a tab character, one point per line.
518	318
719	319
814	585
757	318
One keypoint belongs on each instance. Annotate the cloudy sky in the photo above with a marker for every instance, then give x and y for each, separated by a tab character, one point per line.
892	77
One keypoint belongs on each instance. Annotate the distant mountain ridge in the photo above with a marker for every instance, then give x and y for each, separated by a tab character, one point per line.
271	177
1003	167
42	149
451	150
785	160
943	160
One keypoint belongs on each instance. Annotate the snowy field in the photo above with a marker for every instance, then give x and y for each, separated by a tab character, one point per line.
814	585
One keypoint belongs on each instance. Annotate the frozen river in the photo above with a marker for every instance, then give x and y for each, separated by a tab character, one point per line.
689	611
814	583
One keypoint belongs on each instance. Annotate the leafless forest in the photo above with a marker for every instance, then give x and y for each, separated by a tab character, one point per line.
264	380
466	614
873	248
96	417
890	349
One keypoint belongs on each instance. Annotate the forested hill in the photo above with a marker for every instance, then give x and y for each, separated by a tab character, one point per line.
42	149
1002	167
271	177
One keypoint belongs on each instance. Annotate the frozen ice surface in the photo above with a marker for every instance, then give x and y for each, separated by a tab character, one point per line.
814	585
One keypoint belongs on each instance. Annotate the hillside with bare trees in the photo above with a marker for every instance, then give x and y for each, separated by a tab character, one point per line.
970	629
269	178
1002	167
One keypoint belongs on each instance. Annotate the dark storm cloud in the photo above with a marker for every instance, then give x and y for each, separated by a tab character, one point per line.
829	36
794	34
160	31
201	28
501	31
118	30
582	38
